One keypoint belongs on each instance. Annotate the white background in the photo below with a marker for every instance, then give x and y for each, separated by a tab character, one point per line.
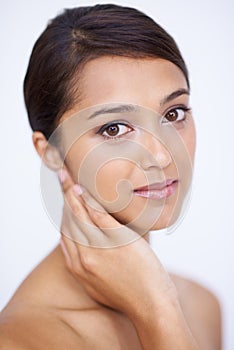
202	247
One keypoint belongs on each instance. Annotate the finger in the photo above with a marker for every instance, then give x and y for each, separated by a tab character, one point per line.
79	259
71	228
70	200
68	188
72	211
71	255
65	179
77	222
75	203
97	212
116	232
65	253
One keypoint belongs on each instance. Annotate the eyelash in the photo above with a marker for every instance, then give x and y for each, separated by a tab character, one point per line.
182	108
104	127
114	123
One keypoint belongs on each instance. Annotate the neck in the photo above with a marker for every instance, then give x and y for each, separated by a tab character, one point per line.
72	294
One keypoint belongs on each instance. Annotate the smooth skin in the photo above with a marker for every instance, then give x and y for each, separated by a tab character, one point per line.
112	279
122	298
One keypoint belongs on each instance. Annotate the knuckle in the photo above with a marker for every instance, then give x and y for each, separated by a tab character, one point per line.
88	261
75	209
99	215
74	268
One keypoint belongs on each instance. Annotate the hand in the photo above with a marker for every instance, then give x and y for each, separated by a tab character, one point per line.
128	278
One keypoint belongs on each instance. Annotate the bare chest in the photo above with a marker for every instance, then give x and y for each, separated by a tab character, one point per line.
104	330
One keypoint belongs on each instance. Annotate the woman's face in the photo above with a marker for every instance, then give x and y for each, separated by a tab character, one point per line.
136	161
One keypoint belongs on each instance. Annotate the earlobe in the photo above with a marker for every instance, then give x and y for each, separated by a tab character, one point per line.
49	154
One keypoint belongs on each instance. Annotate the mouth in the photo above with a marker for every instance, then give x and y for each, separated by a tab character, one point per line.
157	190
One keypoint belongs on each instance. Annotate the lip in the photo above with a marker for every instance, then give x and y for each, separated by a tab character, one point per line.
158	190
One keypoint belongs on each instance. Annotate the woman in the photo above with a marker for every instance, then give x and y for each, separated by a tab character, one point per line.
107	95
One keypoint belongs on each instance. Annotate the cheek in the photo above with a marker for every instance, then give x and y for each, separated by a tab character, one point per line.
75	157
111	177
108	180
188	136
190	141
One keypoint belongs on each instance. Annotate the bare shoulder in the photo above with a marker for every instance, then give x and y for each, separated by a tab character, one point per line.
7	342
12	337
202	295
42	328
202	310
34	328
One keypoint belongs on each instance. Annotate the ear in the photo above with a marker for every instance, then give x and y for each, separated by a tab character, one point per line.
49	154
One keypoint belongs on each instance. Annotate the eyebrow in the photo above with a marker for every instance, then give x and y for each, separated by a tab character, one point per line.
123	108
174	95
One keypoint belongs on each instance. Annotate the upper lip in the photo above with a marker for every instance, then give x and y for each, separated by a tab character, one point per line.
156	185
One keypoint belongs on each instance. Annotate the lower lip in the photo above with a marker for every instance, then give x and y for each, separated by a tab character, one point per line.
165	192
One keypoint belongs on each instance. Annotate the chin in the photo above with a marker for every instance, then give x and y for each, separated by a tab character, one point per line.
161	224
143	215
145	221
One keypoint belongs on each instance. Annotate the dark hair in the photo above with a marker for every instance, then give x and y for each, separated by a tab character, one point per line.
73	38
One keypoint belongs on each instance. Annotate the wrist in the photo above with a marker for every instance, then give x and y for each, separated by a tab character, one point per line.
164	325
152	310
155	303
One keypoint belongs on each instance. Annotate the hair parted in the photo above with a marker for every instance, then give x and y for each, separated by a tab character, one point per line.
78	35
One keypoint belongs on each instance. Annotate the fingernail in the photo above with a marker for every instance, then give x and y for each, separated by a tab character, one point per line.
77	189
62	174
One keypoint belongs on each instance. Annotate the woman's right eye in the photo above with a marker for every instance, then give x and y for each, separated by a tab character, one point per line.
114	130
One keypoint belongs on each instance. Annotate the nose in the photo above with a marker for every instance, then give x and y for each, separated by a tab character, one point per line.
157	154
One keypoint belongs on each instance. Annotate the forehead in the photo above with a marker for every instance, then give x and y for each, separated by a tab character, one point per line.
140	81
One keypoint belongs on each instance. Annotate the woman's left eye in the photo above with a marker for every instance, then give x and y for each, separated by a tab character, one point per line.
175	115
115	130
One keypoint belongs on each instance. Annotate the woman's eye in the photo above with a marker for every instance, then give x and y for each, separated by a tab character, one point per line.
115	130
175	115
